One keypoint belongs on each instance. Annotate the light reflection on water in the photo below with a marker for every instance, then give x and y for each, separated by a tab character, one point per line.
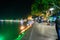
9	30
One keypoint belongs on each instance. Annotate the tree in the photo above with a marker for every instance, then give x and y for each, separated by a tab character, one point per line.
42	5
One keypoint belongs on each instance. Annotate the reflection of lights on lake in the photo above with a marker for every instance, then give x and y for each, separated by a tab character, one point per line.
7	20
11	20
16	20
1	20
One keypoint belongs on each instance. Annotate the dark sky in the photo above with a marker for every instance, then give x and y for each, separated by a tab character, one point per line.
14	8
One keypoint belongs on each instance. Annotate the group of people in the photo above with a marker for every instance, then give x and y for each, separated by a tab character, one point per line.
57	26
29	22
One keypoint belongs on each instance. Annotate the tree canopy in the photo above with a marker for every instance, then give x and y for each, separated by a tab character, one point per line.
42	5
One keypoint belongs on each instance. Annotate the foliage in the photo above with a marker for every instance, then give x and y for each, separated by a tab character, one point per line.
43	5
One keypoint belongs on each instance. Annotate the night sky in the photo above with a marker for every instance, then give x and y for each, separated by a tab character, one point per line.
15	8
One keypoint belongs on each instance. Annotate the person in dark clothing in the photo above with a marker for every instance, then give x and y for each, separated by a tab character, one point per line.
58	27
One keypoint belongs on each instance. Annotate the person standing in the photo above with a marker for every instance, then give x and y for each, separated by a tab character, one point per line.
57	26
21	21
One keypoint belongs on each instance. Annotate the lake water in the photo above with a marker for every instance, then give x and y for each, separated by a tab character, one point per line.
9	30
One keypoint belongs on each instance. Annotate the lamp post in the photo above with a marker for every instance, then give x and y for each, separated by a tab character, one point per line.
51	10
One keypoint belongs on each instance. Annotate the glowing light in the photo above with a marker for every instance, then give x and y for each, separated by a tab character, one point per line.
25	20
51	9
2	37
21	22
21	36
22	28
30	18
22	31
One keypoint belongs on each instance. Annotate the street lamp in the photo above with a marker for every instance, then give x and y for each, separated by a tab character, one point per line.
51	10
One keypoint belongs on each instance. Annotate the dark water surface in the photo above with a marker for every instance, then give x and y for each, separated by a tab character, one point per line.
9	30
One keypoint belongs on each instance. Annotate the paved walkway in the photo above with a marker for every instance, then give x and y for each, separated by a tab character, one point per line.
41	31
